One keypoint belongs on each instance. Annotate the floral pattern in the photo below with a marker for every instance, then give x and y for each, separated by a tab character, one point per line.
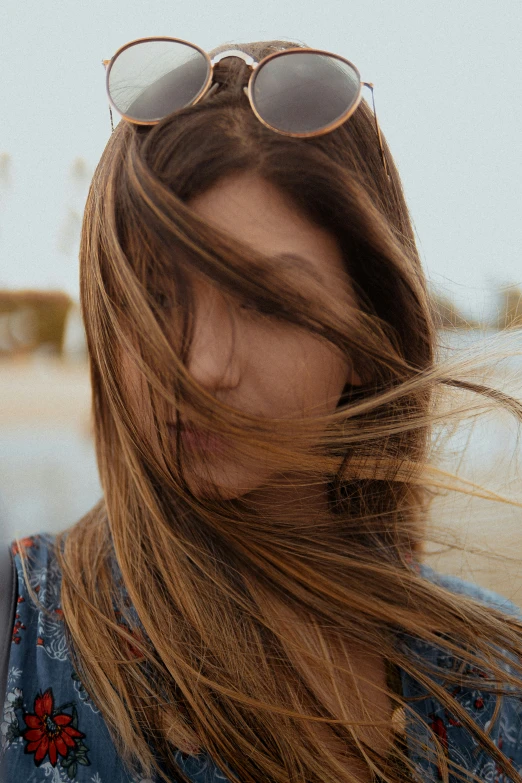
51	730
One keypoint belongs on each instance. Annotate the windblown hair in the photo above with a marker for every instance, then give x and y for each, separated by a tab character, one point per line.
195	623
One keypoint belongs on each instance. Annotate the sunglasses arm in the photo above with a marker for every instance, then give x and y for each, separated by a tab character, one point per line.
105	63
378	130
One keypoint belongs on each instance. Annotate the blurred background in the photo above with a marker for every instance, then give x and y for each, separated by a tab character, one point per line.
447	95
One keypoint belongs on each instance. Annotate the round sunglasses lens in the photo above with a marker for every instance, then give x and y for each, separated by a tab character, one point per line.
304	92
151	79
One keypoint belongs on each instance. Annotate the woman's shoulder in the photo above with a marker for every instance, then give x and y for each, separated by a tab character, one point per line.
504	727
50	727
38	623
463	587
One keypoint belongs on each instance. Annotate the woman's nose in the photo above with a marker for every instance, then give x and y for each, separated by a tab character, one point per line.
214	352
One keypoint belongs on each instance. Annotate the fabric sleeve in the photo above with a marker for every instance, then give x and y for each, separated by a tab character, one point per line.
505	729
50	728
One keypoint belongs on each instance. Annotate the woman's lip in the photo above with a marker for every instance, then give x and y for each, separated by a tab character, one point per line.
200	440
203	441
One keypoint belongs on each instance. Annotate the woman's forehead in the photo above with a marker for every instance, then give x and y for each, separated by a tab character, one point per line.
262	217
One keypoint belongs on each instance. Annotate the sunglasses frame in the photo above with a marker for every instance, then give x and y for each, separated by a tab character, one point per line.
209	87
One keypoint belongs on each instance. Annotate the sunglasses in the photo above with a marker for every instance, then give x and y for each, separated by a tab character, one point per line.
294	92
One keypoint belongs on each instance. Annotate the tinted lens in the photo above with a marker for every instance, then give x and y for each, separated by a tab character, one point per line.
303	92
151	79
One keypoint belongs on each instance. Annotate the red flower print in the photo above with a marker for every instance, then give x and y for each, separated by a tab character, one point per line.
18	626
133	651
410	559
135	633
437	724
25	542
439	728
48	732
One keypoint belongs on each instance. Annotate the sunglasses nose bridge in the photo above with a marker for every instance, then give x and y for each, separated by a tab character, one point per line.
250	62
248	59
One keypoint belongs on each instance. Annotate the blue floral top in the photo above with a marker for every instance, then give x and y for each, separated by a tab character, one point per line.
52	731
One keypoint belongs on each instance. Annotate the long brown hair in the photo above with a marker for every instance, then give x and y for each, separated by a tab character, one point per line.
196	623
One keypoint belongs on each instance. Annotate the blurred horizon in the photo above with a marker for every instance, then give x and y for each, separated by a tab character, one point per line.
36	321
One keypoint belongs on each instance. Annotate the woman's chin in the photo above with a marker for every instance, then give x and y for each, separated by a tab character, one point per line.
216	478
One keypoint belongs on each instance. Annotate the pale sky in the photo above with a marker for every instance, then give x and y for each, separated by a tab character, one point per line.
447	78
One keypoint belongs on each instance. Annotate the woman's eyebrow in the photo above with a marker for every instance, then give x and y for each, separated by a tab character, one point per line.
297	261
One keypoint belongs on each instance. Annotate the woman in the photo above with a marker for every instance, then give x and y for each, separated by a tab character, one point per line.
247	601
